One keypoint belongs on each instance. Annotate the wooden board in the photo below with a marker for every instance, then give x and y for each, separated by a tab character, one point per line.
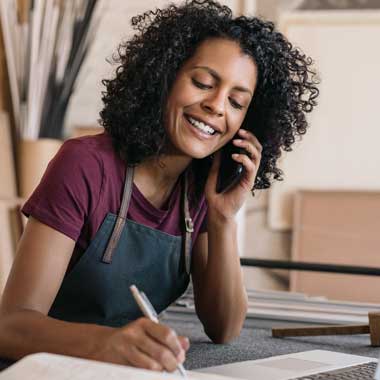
337	228
7	166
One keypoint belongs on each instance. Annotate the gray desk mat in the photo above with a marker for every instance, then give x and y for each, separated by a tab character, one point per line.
253	343
257	343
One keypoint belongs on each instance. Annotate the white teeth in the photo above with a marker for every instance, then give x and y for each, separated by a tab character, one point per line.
202	126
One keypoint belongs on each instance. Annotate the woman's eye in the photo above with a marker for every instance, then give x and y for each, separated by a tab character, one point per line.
201	85
235	104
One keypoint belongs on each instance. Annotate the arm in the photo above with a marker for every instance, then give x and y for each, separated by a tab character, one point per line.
219	292
38	270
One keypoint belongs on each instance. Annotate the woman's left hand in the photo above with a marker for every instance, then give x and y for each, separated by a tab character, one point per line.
227	204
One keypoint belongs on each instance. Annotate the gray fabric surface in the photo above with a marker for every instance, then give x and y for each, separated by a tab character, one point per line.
254	343
257	343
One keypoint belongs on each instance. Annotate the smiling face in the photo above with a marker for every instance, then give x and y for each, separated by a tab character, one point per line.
209	98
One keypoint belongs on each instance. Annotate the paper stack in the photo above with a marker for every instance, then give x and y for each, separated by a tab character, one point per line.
44	366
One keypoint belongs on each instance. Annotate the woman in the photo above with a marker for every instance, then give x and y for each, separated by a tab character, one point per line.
184	85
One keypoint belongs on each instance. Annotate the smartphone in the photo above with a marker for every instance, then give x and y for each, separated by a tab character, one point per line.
230	171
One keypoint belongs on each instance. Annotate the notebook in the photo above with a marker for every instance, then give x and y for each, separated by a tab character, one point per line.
303	365
44	366
310	365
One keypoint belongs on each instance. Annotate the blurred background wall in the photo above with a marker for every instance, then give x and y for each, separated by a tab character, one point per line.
338	154
86	103
264	230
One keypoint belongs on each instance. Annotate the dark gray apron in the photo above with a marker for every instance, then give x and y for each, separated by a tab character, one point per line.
123	253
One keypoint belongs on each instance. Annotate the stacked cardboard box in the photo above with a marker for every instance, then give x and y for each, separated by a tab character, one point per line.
337	227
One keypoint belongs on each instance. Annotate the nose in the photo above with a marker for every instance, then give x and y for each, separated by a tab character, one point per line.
214	104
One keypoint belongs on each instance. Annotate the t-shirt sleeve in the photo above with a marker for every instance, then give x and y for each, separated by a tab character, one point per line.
69	189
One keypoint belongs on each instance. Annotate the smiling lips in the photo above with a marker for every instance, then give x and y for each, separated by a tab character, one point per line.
201	126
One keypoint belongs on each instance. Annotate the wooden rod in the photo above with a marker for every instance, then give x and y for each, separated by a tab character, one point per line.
320	330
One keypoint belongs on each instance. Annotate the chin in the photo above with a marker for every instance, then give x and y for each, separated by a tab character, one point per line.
192	149
197	153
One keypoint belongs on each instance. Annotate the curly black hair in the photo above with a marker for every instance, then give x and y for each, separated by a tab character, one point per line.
134	101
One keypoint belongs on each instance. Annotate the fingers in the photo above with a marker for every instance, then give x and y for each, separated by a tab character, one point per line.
162	344
250	143
251	138
253	152
252	160
248	164
159	353
184	341
143	344
139	359
165	335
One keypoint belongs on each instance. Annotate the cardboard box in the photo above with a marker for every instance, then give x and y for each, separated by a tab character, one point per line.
337	227
33	159
8	187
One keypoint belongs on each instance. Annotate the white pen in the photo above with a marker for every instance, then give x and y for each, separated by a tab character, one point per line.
148	310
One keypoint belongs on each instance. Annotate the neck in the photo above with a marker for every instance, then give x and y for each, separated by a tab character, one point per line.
156	177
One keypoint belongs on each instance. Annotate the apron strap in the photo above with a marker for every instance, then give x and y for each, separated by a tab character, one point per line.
122	216
188	227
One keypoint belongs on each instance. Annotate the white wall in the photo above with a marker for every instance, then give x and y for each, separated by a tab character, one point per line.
115	26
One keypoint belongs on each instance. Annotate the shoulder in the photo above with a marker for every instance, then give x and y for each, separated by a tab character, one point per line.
79	167
87	155
85	149
70	189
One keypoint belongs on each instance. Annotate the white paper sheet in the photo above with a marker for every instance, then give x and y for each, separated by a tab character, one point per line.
43	366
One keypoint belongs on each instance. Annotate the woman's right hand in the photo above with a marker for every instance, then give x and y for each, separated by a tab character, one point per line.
39	267
144	344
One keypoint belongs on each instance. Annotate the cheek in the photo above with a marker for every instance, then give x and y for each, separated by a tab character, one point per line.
235	124
184	93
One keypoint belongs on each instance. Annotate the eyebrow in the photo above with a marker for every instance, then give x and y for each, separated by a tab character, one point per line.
215	75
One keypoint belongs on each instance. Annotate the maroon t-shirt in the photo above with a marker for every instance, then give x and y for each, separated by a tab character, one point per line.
85	181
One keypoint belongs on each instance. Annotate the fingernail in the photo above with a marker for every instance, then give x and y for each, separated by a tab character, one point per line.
235	155
157	367
242	131
181	356
238	141
186	344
